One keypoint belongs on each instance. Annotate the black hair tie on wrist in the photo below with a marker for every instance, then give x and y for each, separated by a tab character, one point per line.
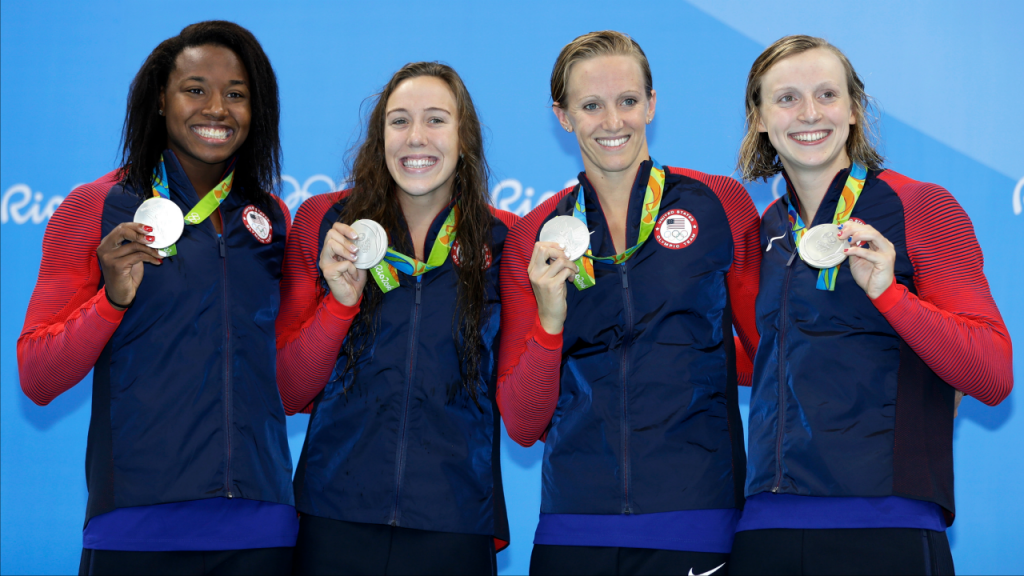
116	305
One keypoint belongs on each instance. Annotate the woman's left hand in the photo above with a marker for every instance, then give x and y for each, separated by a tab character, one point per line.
873	262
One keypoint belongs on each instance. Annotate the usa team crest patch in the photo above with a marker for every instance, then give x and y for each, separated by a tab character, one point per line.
456	253
258	224
676	229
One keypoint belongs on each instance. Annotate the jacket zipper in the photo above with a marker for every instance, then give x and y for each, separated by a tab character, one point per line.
782	372
227	363
400	456
627	338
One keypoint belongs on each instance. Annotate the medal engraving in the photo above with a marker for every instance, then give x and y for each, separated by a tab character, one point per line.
821	247
567	231
165	218
372	243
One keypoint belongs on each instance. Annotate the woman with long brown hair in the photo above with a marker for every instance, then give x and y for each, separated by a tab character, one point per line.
400	472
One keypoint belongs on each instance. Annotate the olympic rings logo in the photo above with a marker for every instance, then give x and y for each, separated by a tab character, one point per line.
22	205
300	192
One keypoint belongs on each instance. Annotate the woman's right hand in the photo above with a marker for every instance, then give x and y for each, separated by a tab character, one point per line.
121	254
337	261
549	271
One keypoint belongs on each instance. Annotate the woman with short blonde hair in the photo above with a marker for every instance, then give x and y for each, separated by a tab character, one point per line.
619	299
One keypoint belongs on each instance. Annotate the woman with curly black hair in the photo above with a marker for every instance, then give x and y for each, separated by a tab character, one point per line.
400	472
162	277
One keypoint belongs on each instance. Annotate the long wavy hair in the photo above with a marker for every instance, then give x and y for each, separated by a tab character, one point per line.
144	136
758	158
373	195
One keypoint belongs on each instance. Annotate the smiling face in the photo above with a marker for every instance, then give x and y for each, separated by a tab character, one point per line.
421	137
608	110
806	110
206	104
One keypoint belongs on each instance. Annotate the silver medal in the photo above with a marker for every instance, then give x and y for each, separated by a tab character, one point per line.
821	247
372	243
569	232
165	218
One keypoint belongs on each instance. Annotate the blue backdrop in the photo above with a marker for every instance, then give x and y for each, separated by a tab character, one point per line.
948	76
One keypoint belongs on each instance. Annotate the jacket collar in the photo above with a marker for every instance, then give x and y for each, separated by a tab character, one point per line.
432	232
827	208
600	239
180	186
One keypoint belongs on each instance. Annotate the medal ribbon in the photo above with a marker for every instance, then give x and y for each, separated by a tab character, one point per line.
386	273
851	193
205	207
652	205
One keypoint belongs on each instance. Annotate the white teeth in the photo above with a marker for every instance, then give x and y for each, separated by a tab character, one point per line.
419	162
214	133
810	136
612	142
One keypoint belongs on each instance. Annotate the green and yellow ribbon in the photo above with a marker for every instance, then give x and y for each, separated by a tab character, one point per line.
851	193
385	274
652	205
205	207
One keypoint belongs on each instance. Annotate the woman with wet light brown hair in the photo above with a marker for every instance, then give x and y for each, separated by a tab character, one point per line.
871	331
619	300
758	158
400	471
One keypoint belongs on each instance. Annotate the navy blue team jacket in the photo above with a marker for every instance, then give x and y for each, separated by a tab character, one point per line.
647	418
394	449
185	404
841	405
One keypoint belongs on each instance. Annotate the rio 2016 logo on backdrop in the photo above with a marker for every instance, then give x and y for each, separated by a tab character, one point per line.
509	195
22	205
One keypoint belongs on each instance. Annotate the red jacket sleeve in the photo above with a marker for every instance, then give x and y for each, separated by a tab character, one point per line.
530	359
952	323
745	273
310	326
69	320
287	215
507	218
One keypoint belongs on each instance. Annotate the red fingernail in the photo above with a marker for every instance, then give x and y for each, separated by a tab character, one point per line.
150	238
147	228
846	249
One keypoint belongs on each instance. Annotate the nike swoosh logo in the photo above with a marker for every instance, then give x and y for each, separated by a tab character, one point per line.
712	571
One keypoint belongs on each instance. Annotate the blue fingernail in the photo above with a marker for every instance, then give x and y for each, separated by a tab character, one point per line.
850	239
840	226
